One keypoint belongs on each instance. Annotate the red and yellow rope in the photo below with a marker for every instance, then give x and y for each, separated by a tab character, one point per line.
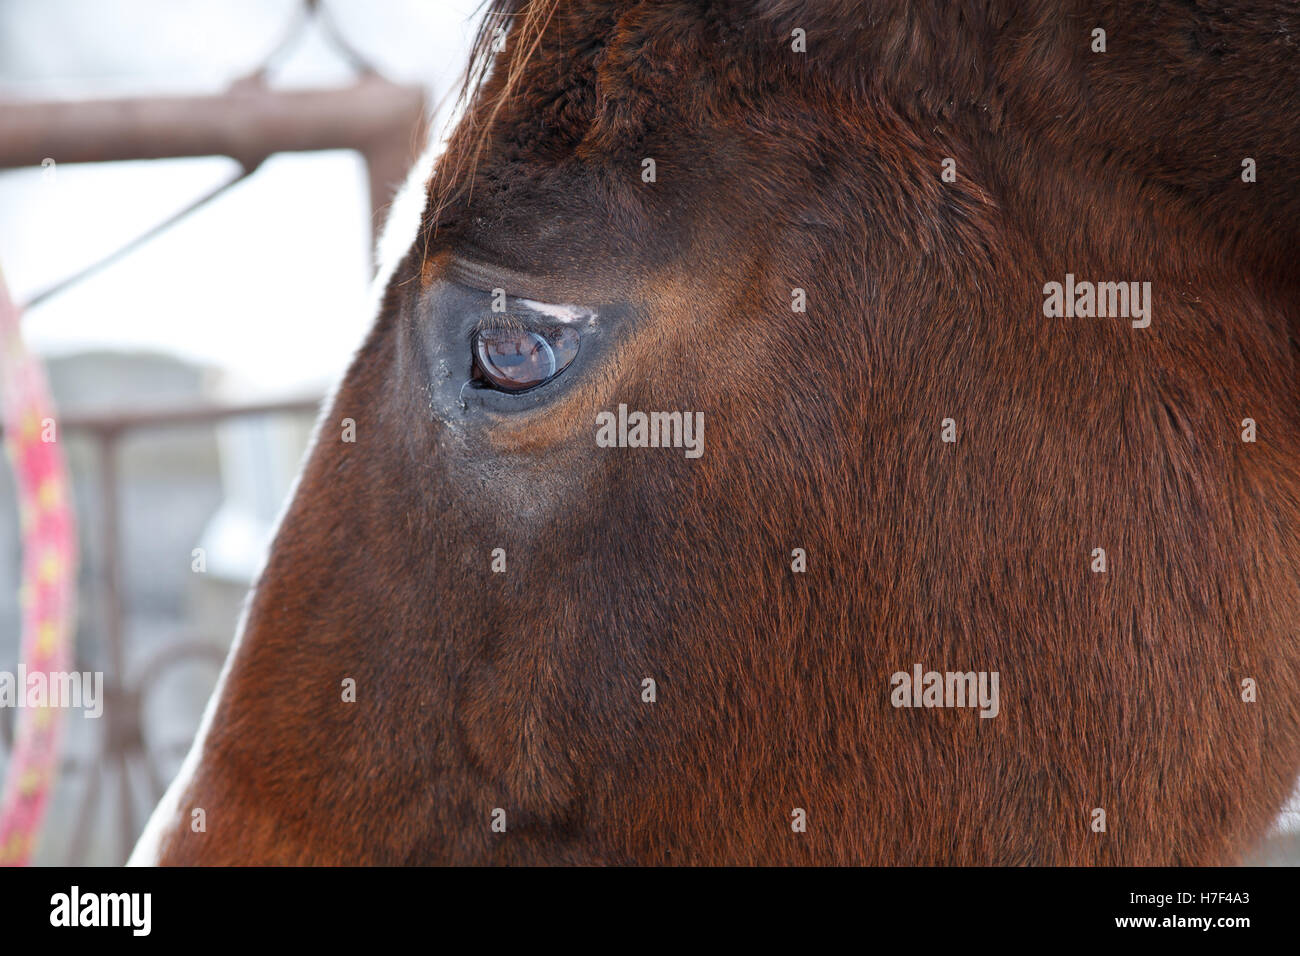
48	590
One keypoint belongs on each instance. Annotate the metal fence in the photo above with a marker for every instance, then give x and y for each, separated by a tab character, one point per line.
383	121
121	744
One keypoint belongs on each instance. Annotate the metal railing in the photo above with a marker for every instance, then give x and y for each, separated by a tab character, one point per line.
384	121
122	742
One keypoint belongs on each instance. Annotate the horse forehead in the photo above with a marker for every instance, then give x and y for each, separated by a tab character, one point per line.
596	66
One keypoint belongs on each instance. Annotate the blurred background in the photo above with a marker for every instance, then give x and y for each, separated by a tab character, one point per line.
189	197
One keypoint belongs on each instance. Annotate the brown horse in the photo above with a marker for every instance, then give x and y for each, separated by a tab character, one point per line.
759	366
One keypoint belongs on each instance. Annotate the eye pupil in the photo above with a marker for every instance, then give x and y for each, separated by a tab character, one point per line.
515	360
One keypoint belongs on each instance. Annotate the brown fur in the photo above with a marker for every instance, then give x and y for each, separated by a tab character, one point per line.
775	170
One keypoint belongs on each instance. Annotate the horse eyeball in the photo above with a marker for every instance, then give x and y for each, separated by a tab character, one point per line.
515	360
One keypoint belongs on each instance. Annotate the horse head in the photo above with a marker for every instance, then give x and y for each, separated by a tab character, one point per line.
739	378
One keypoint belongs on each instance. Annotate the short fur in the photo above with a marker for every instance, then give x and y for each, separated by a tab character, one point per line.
821	170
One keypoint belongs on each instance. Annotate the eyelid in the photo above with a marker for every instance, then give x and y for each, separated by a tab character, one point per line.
499	321
486	278
549	291
548	316
565	314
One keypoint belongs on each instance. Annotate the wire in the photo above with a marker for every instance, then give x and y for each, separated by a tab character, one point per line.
122	251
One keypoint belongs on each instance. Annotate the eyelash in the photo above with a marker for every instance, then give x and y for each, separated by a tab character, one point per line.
505	322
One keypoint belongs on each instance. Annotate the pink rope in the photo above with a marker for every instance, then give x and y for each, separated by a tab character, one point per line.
49	573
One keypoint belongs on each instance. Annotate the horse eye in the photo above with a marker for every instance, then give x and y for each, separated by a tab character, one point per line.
515	360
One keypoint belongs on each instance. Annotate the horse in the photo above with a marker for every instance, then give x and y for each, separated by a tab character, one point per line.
515	614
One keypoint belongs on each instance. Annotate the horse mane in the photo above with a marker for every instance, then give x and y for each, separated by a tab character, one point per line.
521	22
